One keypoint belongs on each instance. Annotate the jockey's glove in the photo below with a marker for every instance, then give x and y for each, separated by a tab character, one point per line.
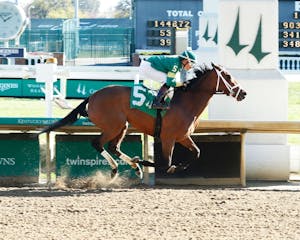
182	84
186	83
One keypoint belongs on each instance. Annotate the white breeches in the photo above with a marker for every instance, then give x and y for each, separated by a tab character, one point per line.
149	73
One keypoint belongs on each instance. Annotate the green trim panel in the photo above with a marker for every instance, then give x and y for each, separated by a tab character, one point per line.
76	88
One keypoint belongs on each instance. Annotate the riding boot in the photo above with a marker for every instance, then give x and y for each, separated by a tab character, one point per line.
158	102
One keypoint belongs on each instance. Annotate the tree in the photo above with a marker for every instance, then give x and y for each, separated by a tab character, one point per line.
123	9
63	8
89	8
52	9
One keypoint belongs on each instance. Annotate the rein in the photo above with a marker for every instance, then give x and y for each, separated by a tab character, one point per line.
227	85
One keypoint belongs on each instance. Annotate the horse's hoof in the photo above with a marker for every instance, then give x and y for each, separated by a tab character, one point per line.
171	169
114	173
182	167
135	159
139	171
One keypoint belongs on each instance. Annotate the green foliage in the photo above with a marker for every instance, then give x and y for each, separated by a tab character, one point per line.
294	101
63	8
294	109
67	12
123	9
54	8
89	8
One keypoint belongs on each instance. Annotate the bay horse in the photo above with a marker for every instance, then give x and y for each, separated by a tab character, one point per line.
109	109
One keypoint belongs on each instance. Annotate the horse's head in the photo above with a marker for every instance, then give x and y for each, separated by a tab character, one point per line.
226	84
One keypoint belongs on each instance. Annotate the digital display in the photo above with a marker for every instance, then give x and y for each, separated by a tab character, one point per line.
289	26
159	42
155	23
161	33
174	24
291	33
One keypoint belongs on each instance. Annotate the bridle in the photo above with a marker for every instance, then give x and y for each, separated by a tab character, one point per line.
227	85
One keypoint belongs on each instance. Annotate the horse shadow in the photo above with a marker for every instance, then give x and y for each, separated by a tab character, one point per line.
218	159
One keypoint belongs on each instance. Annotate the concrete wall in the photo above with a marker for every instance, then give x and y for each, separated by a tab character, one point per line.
248	47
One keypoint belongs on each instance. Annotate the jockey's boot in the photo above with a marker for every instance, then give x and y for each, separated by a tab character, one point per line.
158	102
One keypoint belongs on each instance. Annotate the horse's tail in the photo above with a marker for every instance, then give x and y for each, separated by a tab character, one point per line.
72	117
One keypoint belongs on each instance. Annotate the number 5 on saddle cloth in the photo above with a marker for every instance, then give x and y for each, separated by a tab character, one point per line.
142	97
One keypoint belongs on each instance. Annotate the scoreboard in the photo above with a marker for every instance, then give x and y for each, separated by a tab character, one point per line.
161	33
156	23
289	25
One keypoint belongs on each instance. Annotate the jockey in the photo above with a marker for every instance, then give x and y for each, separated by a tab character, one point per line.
163	69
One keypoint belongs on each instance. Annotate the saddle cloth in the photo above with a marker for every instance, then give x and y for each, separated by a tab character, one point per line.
142	97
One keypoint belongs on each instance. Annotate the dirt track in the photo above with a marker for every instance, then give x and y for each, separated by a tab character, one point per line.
141	212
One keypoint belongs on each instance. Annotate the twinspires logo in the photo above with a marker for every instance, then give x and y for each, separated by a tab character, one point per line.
7	161
90	161
7	86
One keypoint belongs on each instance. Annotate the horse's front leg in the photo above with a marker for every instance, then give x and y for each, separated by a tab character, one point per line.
167	147
191	145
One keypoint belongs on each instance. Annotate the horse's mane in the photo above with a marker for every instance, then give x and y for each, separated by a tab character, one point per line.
199	71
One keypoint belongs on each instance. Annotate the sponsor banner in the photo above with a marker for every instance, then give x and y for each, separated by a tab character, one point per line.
12	52
84	88
19	155
31	88
10	87
75	157
22	88
40	121
27	121
75	88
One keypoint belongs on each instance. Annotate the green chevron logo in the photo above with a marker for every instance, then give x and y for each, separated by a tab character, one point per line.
206	37
256	50
236	46
215	38
205	34
234	42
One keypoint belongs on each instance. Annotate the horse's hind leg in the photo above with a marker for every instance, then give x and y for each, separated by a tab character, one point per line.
114	147
98	144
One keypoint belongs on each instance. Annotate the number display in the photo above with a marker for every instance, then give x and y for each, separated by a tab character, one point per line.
165	42
291	25
290	34
160	33
162	42
174	24
290	44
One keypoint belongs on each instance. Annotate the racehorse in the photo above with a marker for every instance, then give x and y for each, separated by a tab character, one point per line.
109	109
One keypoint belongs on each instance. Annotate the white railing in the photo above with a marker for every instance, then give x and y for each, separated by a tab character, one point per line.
289	64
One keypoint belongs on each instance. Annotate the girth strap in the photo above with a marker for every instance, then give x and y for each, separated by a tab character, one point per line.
157	128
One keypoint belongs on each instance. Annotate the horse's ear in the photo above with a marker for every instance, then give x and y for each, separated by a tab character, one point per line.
217	66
